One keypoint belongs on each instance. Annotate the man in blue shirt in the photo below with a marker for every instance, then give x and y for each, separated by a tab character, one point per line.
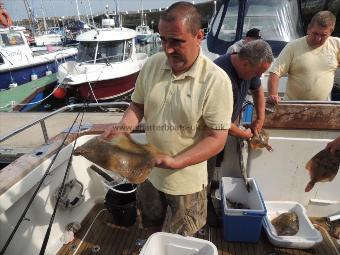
244	69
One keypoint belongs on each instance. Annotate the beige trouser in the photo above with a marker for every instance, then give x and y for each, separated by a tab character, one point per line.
178	214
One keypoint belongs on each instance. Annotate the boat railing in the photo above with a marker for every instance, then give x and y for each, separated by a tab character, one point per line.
41	120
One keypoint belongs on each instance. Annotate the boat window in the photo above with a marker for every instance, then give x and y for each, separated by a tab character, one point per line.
113	51
278	20
11	39
86	51
229	24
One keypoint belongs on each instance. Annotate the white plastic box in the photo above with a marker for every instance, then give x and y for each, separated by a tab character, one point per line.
305	238
242	225
162	243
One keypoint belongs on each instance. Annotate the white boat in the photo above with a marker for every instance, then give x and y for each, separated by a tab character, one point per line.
29	185
19	63
144	34
48	39
107	64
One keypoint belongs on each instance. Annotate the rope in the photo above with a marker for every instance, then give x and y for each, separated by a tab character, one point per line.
3	250
88	230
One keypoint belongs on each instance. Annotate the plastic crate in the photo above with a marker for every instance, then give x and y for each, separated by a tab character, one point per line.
162	243
242	225
307	236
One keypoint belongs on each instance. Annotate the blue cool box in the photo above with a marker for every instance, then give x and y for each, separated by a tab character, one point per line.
242	225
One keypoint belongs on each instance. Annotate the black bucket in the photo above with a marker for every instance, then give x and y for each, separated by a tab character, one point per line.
121	203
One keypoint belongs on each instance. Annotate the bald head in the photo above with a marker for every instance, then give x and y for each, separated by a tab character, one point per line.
183	11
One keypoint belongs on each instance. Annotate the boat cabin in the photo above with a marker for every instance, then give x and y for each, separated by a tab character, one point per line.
279	21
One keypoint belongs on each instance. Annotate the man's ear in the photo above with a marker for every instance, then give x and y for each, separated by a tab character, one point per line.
200	35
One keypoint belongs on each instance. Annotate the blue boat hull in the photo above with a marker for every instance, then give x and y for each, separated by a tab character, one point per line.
23	75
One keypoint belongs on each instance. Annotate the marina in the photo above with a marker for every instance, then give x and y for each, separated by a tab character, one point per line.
54	201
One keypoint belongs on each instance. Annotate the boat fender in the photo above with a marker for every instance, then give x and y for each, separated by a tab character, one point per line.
48	72
34	77
13	85
59	93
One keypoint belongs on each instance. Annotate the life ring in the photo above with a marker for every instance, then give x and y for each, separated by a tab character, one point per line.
5	19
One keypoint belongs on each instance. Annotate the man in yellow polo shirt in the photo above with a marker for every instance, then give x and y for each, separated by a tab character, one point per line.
310	62
187	103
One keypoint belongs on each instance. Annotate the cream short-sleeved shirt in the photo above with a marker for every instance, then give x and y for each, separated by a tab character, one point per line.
176	110
310	71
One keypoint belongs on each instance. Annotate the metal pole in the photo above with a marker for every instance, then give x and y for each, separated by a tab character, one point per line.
44	130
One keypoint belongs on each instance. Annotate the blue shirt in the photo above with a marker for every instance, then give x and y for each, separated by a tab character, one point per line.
240	86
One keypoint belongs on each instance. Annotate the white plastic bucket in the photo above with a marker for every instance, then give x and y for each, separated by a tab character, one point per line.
173	244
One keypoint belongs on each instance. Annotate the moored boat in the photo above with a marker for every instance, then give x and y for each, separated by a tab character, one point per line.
107	64
19	64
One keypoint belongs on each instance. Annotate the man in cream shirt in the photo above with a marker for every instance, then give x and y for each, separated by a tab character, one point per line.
187	102
310	62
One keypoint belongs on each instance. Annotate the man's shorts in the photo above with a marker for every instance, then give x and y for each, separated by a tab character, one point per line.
179	214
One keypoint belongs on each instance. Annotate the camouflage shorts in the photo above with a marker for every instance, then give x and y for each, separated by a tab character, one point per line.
179	214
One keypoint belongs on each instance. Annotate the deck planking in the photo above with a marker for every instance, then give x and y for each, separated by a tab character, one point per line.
113	239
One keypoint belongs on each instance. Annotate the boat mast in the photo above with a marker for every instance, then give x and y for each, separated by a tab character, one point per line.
91	13
78	10
30	16
142	16
43	13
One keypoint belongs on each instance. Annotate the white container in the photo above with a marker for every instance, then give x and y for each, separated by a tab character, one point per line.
162	243
305	238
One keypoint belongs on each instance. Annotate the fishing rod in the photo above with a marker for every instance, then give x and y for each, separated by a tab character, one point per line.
62	187
22	217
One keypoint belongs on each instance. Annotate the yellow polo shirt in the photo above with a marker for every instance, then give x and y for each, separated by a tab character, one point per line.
310	71
176	110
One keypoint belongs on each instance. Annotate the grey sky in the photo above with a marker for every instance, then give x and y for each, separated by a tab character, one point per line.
17	10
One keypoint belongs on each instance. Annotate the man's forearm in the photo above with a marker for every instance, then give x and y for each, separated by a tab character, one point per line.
208	147
132	117
273	84
259	103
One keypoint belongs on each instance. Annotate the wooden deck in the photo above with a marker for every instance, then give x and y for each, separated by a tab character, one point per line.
112	239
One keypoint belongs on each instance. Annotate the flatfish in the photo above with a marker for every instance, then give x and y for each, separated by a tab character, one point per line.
322	167
260	141
286	224
121	155
236	205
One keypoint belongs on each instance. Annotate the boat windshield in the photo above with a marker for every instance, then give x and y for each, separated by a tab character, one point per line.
278	20
108	51
11	39
86	51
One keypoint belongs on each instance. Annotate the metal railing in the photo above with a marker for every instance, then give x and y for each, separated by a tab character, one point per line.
63	109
